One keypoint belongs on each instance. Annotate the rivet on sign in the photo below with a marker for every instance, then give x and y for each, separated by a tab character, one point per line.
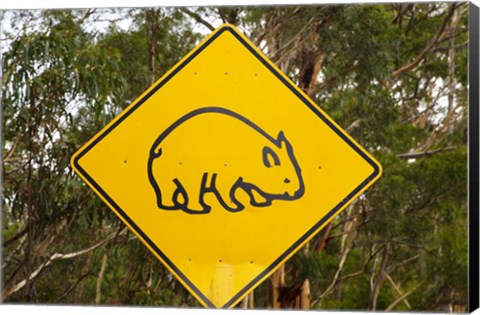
251	261
195	72
256	74
220	260
319	167
226	73
189	259
225	164
125	161
180	163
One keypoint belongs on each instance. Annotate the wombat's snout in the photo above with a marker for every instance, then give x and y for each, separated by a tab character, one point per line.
293	195
298	194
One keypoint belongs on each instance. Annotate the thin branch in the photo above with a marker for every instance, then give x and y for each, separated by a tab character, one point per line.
337	274
353	125
429	107
293	39
348	68
72	287
272	30
441	129
323	240
378	282
13	253
423	248
314	29
353	217
9	153
428	48
397	288
416	155
288	53
406	261
403	297
350	275
197	18
15	237
87	14
115	20
53	258
37	251
457	47
339	234
353	274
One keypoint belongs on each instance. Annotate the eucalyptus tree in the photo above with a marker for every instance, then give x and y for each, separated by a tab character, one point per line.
394	76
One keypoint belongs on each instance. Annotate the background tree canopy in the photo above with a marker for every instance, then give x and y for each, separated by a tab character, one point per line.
394	76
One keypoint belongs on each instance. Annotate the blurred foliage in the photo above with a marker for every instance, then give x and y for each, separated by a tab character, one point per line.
393	75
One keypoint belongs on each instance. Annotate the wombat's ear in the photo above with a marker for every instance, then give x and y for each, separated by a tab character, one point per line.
281	140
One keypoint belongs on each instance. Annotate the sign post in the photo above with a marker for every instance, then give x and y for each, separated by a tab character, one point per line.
224	168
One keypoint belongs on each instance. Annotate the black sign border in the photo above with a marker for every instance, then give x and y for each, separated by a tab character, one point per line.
295	246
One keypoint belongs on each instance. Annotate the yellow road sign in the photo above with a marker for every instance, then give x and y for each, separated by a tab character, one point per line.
224	168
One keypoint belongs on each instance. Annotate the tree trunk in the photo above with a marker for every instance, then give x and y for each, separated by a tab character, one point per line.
154	25
305	296
248	301
98	295
309	70
451	69
372	304
278	281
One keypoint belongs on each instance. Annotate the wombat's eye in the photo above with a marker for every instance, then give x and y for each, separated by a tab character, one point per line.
269	157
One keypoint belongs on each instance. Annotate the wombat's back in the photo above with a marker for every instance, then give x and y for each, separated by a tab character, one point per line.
212	134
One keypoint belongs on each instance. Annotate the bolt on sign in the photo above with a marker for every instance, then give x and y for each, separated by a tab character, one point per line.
224	168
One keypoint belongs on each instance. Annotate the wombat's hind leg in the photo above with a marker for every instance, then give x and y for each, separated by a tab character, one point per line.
166	195
192	202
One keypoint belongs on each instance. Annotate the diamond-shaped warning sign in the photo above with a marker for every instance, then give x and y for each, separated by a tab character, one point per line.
224	168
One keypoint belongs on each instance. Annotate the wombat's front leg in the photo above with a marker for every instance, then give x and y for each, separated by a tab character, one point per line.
257	199
225	192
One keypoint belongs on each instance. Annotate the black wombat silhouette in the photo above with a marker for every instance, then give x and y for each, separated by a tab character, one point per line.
214	150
